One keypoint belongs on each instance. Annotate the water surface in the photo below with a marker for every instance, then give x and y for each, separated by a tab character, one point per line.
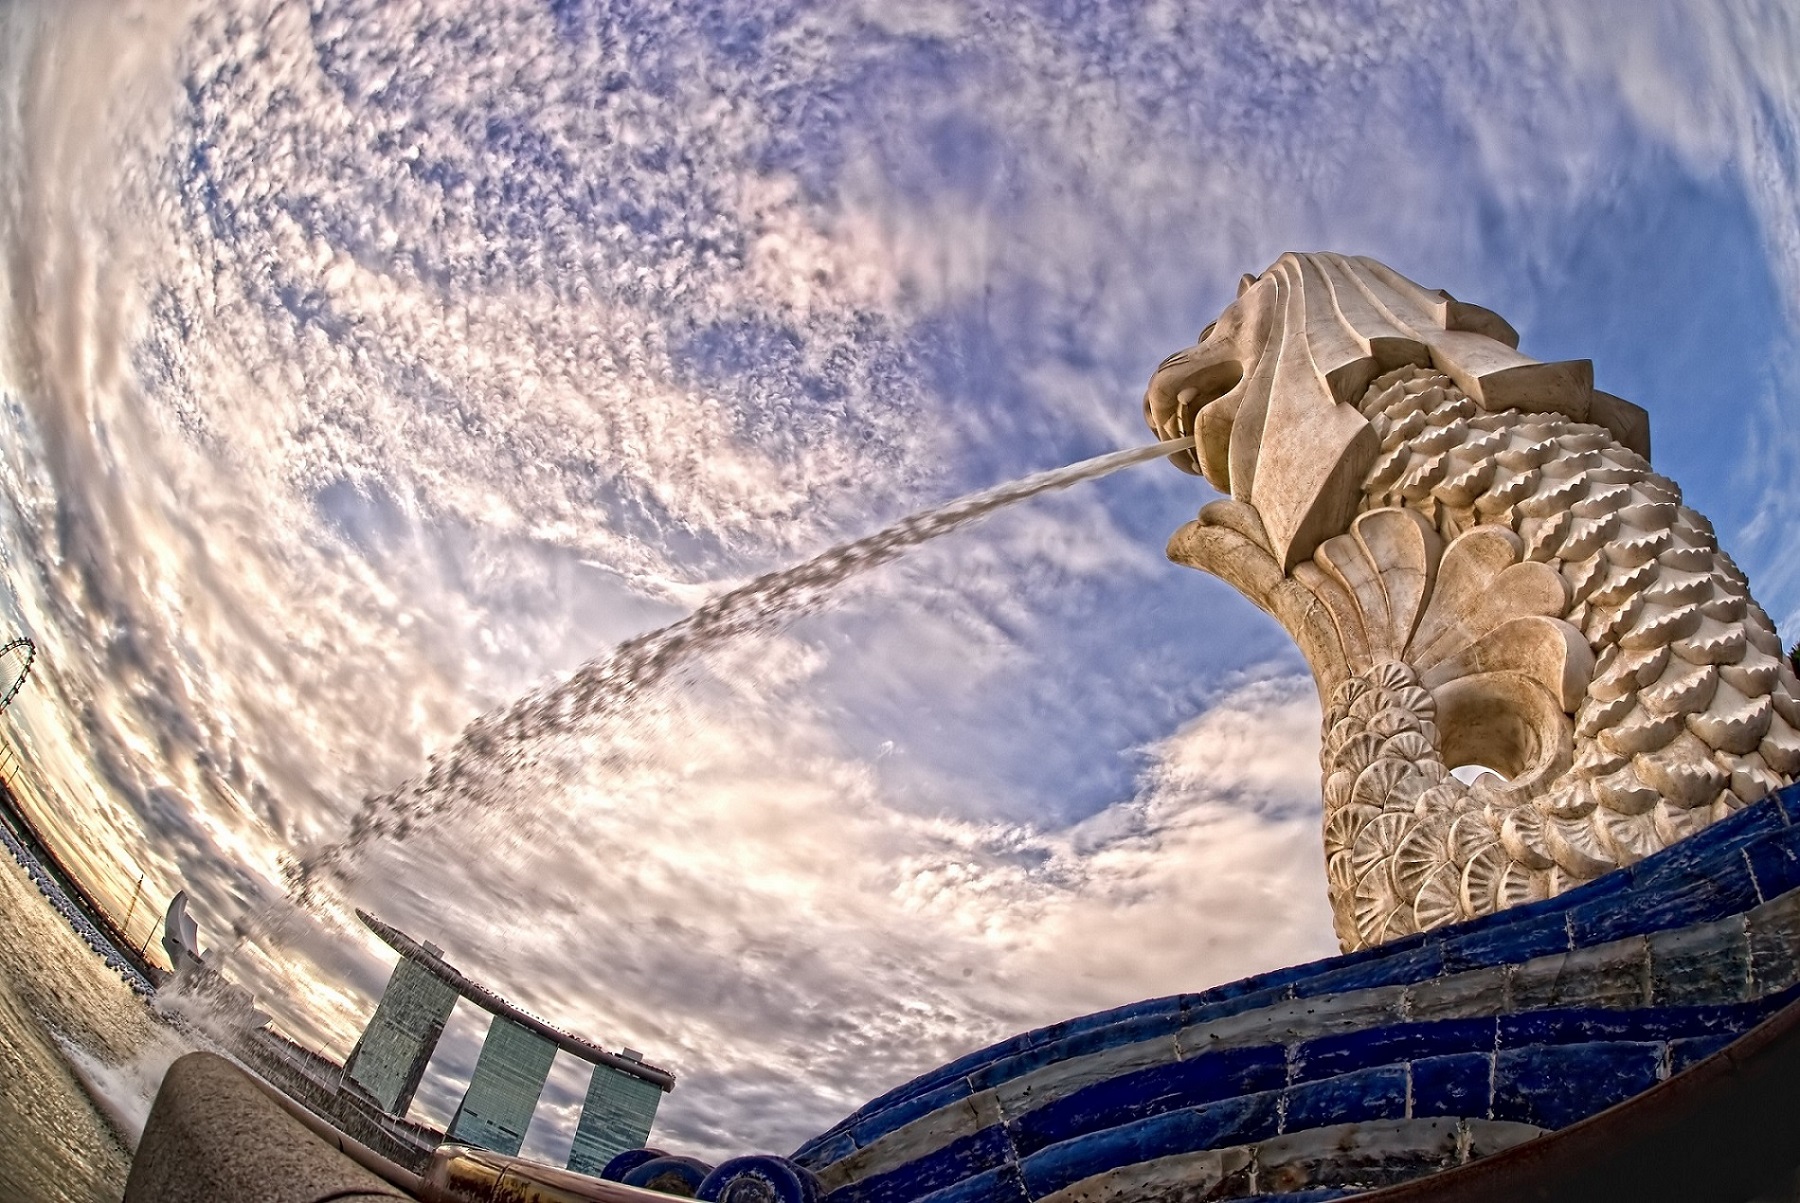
66	1017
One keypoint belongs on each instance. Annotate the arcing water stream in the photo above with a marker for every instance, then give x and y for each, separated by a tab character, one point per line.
135	1048
473	771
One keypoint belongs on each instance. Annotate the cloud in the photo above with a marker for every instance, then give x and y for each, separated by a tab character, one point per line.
743	902
410	358
1718	85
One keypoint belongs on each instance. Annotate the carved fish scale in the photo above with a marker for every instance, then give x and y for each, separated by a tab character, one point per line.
1481	568
1690	711
1504	584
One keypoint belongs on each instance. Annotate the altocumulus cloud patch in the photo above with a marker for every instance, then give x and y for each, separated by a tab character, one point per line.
369	362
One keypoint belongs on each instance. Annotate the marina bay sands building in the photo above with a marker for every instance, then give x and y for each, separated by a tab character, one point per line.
389	1061
390	1058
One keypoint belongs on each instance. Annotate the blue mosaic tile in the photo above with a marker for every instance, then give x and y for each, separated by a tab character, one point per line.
1611	975
1527	1028
1676	901
1697	855
1704	964
1079	1044
1555	1087
1457	1085
962	1067
1206	1012
1306	983
937	1078
970	1063
1774	959
1168	1004
1153	1091
819	1150
823	1150
1134	1016
1772	1002
900	1094
1619	881
1367	1094
1272	983
1507	944
1002	1184
905	1112
1346	1052
1416	964
1299	981
1749	857
1683	1053
1787	800
1774	865
960	1159
1229	1122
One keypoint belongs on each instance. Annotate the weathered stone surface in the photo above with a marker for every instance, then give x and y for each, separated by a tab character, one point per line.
1064	1077
1460	995
214	1137
1615	975
1773	930
1301	1019
1371	1153
924	1136
1183	1176
1708	963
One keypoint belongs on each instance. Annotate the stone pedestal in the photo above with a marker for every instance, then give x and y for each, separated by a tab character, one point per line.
215	1137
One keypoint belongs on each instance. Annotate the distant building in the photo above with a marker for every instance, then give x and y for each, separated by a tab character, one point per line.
195	986
389	1061
390	1058
509	1077
617	1115
181	936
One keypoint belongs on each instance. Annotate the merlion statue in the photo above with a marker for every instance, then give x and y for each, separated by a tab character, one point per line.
1481	568
1475	557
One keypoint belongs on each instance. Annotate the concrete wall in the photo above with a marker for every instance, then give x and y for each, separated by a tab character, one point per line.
214	1136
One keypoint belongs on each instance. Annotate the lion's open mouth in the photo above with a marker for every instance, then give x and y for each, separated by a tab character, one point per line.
1184	385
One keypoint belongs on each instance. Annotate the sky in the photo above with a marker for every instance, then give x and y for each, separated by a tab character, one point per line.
366	364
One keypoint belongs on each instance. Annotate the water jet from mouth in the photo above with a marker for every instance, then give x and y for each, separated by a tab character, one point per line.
473	770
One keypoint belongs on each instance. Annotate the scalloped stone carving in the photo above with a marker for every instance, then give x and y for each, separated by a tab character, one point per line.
1478	562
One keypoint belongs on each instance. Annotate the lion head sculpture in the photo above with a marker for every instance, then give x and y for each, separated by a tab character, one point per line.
1483	571
1270	391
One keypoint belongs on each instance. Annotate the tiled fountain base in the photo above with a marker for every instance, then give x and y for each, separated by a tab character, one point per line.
1347	1074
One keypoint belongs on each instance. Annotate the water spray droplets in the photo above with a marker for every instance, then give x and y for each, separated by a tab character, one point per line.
473	771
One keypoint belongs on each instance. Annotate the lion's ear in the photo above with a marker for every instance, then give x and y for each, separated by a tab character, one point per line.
1299	446
1475	347
1460	315
1310	471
